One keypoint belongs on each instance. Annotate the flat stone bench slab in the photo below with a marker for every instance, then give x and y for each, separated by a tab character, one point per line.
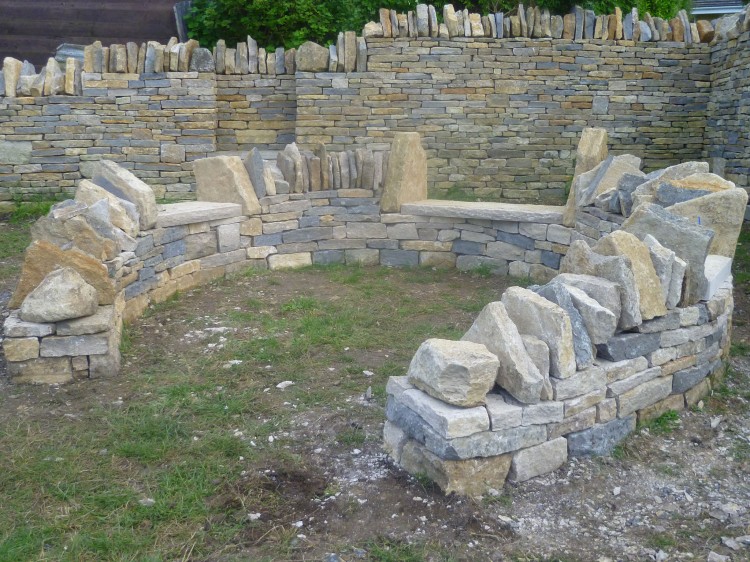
548	214
189	212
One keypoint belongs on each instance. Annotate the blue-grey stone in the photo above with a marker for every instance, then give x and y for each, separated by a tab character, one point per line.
516	239
668	194
170	234
311	234
499	17
557	293
684	380
670	321
328	257
146	273
589	23
579	14
399	258
176	248
140	287
600	439
625	188
551	259
464	247
268	240
628	346
144	245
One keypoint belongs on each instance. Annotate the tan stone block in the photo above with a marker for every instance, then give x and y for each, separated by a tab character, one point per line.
697	393
49	370
134	308
251	227
675	402
185	268
289	261
21	349
406	178
678	364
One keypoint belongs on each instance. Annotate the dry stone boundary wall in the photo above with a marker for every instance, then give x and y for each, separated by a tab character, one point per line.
499	116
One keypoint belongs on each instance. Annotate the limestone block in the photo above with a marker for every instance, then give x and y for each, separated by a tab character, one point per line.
123	184
644	395
224	179
459	373
201	61
536	316
20	349
14	327
448	421
42	257
517	373
651	297
582	382
538	460
42	371
406	177
581	260
705	31
470	477
62	346
393	440
600	322
11	75
63	294
77	230
583	348
688	240
600	439
539	353
723	212
451	21
645	193
503	415
289	261
311	57
629	345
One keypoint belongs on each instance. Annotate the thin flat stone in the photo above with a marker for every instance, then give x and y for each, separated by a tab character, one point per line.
189	212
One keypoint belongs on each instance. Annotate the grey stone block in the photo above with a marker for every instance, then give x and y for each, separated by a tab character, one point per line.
62	346
600	439
400	258
684	380
628	346
202	245
328	257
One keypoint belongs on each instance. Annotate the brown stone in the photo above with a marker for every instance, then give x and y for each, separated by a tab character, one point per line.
406	179
45	370
569	26
42	257
21	349
705	31
678	30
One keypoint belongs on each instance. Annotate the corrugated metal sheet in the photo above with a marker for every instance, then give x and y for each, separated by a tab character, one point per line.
32	29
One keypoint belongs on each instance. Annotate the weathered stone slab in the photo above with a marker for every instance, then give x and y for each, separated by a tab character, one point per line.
600	439
459	373
517	373
583	348
101	321
580	259
15	152
688	240
406	177
502	414
122	213
20	349
622	243
539	353
600	322
628	345
123	184
470	477
582	382
289	261
548	214
14	327
78	231
224	179
448	421
42	371
191	212
643	396
43	257
536	316
723	212
538	460
63	294
61	346
591	151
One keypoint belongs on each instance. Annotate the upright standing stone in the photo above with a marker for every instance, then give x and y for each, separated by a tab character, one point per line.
517	373
591	151
252	55
224	179
406	178
256	171
433	21
262	61
500	24
522	21
688	240
241	62
122	183
580	22
73	85
589	23
538	317
350	51
141	59
333	59
423	20
311	57
385	21
569	26
636	24
361	55
131	50
220	54
450	19
557	27
201	61
11	74
546	23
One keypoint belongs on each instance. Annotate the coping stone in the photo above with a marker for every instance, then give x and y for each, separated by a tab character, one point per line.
549	214
189	212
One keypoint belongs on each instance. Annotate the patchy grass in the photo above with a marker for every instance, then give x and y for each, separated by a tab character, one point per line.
664	424
741	264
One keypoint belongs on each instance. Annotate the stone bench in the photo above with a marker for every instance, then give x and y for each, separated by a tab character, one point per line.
545	214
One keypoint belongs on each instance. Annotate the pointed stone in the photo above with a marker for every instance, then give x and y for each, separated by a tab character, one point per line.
201	61
311	57
621	243
522	21
62	295
141	59
517	373
450	19
582	260
224	179
54	80
385	22
406	178
536	316
123	214
591	151
688	240
252	55
604	292
241	63
557	26
122	183
256	171
73	86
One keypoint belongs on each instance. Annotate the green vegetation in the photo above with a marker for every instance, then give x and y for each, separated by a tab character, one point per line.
741	264
665	423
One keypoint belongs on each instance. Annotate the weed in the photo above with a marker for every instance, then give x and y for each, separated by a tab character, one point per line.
482	270
665	423
26	211
739	349
661	541
351	437
386	550
126	340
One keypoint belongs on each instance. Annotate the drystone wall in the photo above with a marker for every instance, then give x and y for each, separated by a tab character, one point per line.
499	110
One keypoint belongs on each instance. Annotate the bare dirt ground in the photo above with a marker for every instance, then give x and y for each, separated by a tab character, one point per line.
671	492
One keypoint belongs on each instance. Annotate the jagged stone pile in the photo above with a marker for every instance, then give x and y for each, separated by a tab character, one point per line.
633	325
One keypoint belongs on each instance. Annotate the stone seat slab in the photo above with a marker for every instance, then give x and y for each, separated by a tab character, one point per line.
190	212
548	214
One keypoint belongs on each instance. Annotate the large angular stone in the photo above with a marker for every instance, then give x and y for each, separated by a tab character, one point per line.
539	353
447	420
604	292
256	169
406	177
600	439
54	80
688	240
607	176
122	183
536	316
600	322
470	477
517	373
723	212
62	295
201	61
581	259
224	179
591	151
645	193
558	293
291	163
311	57
459	373
621	243
538	460
77	232
122	213
628	346
11	74
42	257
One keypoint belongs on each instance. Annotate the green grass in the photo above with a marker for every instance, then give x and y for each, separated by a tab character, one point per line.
741	264
664	424
739	349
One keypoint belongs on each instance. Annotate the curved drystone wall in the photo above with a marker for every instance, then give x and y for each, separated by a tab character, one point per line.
500	116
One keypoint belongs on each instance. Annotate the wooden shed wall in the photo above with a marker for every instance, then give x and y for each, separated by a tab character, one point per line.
32	29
